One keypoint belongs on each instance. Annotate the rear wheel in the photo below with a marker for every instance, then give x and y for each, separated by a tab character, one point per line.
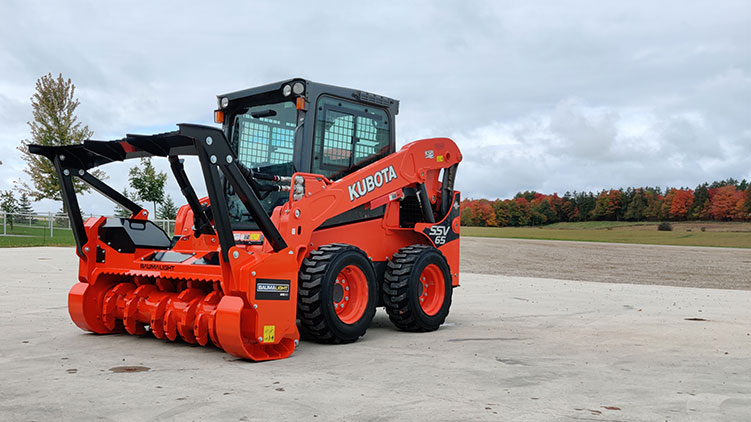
336	297
417	288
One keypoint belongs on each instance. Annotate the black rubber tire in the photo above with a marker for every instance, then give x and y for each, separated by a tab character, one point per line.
401	288
315	309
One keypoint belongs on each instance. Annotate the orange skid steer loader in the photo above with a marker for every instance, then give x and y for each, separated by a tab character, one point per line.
312	220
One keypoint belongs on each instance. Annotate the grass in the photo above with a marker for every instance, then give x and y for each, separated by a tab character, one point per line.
35	236
730	235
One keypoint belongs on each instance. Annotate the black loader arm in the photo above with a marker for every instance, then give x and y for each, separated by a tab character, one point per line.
213	151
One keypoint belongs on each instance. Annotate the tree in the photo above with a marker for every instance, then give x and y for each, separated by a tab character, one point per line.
637	206
681	203
9	205
608	205
122	212
148	183
502	215
700	205
55	123
746	209
24	205
168	211
467	214
725	202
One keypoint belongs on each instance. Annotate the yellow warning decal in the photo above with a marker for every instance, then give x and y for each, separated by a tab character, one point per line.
269	333
439	158
254	237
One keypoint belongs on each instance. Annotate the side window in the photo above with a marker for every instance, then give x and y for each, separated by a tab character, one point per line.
348	136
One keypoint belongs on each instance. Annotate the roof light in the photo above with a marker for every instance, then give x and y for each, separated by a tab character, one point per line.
286	90
225	102
298	88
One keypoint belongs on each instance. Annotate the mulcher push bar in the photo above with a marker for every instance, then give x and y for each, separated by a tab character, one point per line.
214	153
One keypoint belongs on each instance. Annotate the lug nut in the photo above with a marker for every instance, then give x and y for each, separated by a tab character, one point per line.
346	297
346	288
260	339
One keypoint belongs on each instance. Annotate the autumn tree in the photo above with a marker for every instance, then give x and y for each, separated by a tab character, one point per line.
55	124
466	213
148	183
608	205
725	202
501	213
681	204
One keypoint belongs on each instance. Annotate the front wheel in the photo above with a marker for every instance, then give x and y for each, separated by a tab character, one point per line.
336	294
417	288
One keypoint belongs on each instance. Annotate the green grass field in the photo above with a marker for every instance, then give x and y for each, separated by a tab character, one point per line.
35	236
731	235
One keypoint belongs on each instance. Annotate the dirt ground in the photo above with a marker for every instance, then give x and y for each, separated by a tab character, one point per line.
682	266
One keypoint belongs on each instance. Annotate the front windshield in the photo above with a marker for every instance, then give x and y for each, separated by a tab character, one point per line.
263	139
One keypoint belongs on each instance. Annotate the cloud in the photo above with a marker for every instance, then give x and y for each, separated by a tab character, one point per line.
579	95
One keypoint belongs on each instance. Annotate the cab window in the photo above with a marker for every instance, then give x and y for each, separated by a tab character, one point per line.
348	136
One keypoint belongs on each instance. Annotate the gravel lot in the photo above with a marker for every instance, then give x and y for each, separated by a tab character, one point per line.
681	266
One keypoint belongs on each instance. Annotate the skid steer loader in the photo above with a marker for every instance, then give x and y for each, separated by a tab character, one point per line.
312	220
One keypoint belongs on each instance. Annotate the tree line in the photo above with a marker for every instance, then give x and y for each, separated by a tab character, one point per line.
725	200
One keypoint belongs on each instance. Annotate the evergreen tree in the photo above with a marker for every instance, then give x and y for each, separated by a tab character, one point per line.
120	211
24	205
55	123
168	210
637	206
701	201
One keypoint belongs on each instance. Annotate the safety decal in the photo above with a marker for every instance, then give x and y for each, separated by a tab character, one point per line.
269	332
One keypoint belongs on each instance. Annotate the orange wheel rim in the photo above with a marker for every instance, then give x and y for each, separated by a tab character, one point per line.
350	296
432	289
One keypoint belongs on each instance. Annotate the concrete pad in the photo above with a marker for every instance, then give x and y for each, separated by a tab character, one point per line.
513	349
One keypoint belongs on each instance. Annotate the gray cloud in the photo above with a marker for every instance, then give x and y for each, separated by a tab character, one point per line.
539	95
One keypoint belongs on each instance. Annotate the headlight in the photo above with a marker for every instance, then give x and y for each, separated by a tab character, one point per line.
225	102
298	88
286	90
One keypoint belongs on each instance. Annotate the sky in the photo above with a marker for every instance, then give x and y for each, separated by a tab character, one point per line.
539	95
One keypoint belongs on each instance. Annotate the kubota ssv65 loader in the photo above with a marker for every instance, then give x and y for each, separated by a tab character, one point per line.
312	220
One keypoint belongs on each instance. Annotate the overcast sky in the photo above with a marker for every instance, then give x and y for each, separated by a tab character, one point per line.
546	96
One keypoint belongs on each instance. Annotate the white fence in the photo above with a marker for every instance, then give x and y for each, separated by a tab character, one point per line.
40	224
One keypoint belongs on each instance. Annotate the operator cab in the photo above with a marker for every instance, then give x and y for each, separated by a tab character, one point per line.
302	126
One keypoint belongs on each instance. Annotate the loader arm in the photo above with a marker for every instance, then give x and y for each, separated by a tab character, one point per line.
214	154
